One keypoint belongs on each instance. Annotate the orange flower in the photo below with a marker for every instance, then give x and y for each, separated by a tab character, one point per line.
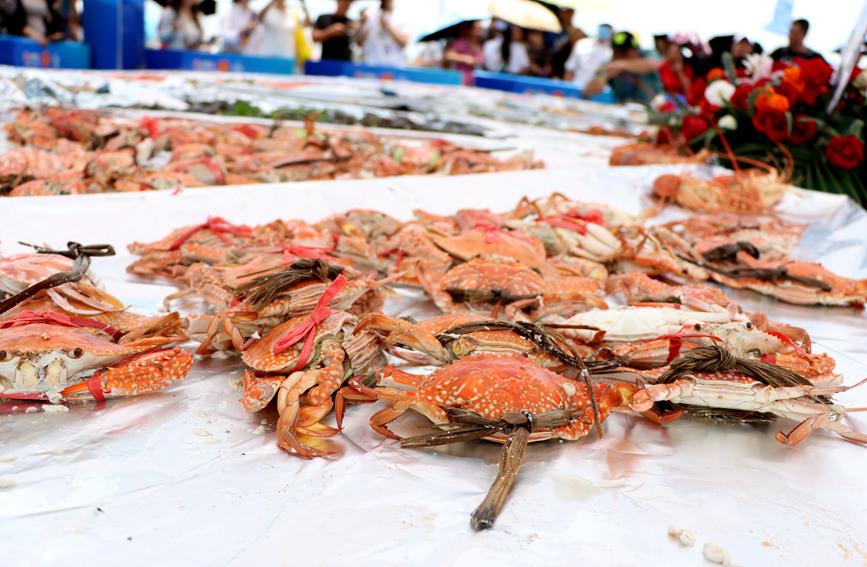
795	76
769	100
715	74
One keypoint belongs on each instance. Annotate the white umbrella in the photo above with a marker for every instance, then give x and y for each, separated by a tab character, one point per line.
526	13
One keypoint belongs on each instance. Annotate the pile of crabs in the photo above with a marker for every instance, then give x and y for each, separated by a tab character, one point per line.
529	342
67	152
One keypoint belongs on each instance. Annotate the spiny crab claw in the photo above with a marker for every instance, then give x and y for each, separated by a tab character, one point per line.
138	374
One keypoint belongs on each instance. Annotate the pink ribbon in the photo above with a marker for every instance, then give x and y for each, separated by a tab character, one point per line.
292	251
307	329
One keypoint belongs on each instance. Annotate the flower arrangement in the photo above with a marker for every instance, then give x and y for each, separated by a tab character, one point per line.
775	113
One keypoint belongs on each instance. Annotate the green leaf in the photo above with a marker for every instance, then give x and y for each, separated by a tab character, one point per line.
855	128
398	154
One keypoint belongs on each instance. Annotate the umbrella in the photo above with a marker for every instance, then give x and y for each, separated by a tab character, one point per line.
597	5
526	13
449	23
207	7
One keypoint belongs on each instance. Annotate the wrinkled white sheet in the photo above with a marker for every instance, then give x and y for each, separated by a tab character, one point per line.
185	476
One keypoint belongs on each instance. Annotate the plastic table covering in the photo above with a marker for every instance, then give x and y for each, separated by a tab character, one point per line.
185	475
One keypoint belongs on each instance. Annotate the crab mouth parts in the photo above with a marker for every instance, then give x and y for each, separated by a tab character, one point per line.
29	376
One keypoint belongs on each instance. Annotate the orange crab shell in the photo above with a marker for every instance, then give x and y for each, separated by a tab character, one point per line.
495	385
30	355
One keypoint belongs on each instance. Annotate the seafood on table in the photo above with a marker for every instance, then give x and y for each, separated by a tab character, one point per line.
645	153
493	275
61	282
48	356
65	152
505	398
63	337
711	377
303	362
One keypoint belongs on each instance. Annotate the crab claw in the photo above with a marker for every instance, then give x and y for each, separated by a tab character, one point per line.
355	392
138	374
640	401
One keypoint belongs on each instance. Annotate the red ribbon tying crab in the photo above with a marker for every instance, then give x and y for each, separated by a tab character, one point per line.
568	223
32	317
676	342
307	330
218	226
292	251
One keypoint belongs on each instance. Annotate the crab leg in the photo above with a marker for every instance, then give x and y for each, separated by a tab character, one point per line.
511	459
319	384
328	381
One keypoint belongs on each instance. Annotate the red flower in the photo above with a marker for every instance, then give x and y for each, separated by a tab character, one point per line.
773	123
803	130
789	90
811	94
715	74
695	94
740	99
668	107
779	66
816	72
845	152
693	126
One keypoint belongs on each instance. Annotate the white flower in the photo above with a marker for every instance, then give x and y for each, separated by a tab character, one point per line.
718	93
658	102
759	66
727	122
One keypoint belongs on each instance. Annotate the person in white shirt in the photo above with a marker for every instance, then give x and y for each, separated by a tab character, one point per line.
237	26
587	56
507	57
279	29
381	38
179	26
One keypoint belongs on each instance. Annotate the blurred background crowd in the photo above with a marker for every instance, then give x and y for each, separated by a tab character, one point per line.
567	46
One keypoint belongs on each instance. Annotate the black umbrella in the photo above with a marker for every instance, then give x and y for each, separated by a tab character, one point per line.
206	7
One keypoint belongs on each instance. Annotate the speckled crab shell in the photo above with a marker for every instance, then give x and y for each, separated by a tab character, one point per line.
493	385
260	355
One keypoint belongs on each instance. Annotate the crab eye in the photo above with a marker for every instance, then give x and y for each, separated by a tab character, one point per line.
3	355
697	327
76	353
749	325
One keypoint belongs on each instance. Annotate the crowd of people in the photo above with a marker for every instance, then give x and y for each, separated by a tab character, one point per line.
280	31
607	59
636	75
610	58
42	20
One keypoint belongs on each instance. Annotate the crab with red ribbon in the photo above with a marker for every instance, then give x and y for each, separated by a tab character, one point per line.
303	361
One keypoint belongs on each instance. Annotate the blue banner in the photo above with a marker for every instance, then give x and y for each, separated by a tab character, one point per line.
26	52
200	61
